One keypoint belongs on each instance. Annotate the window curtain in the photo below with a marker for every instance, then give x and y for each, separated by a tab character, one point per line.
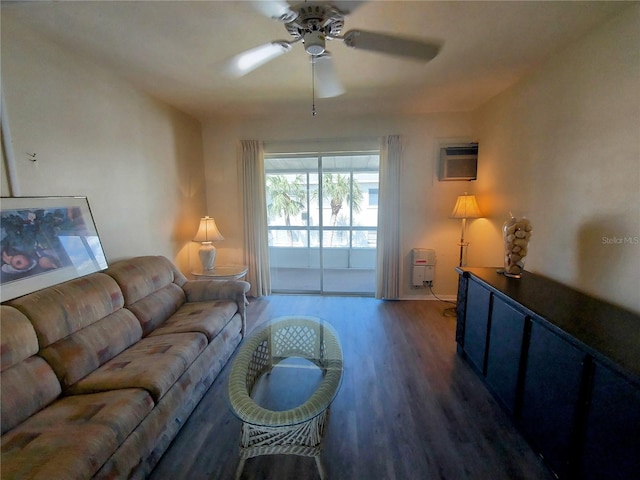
255	218
388	247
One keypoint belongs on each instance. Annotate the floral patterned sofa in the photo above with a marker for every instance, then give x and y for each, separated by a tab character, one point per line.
99	373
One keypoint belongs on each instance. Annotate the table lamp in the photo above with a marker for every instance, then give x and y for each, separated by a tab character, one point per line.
207	234
466	207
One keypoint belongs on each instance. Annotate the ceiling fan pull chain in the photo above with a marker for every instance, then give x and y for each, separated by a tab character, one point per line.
313	86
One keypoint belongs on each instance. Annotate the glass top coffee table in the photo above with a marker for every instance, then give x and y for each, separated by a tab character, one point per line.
298	349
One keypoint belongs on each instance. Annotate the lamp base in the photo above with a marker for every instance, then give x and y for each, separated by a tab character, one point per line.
207	254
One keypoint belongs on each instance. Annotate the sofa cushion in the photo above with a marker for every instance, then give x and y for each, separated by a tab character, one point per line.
76	356
141	276
80	324
26	388
154	309
154	364
204	317
28	383
18	339
74	436
146	445
59	311
209	290
151	287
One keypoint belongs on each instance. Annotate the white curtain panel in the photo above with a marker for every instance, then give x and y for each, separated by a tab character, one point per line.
255	218
388	255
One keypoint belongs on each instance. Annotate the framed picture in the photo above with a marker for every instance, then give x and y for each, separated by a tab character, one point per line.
45	241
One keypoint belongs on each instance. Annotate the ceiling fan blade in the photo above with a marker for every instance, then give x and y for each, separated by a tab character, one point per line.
347	6
392	44
248	61
327	83
277	9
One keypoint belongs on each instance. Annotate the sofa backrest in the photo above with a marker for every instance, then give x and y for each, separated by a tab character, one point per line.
152	288
27	382
80	324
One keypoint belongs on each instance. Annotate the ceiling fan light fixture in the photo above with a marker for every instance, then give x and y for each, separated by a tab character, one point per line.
314	42
328	84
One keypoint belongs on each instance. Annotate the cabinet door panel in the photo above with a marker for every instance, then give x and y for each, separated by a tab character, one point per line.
612	435
461	309
503	355
551	394
477	318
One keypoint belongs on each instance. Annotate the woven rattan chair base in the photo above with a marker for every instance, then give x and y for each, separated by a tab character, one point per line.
304	439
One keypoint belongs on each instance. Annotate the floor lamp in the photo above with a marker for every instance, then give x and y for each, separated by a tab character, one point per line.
466	207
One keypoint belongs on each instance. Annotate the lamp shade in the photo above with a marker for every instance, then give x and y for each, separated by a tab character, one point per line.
208	231
466	207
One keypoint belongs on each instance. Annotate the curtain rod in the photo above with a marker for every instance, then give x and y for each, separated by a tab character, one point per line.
325	140
323	145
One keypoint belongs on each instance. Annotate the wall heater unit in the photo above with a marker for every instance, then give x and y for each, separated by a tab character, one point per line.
423	264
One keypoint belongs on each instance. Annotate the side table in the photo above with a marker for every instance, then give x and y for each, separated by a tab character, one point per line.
222	272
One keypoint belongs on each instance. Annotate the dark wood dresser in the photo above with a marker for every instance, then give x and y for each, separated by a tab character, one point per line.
565	365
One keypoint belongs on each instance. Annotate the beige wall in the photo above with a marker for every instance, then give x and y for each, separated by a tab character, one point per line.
138	161
426	202
563	147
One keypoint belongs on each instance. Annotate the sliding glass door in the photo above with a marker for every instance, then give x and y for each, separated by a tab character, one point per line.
323	212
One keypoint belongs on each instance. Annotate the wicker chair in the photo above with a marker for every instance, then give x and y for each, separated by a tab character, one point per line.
298	431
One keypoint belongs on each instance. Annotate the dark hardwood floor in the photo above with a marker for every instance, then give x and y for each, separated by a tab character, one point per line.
408	407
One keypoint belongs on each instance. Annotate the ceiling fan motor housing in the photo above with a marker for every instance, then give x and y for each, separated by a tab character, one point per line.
314	23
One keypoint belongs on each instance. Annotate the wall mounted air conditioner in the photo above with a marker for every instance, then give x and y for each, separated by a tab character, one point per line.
458	162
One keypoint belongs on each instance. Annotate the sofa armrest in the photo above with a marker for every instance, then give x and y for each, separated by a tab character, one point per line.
208	290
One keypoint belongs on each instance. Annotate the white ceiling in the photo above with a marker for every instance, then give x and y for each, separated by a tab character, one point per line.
175	50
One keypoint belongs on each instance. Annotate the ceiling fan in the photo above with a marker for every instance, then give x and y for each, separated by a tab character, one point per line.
313	23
